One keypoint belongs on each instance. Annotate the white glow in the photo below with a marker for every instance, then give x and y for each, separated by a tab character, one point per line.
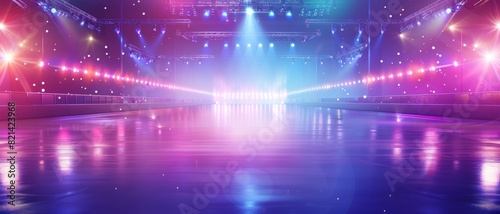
249	11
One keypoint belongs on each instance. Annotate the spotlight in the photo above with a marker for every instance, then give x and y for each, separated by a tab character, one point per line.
206	45
292	45
260	45
289	13
117	30
91	38
226	45
206	13
419	23
271	45
138	29
452	27
237	45
41	64
448	10
455	64
163	29
53	11
224	14
82	23
489	57
8	57
498	25
2	26
249	11
401	36
271	13
249	45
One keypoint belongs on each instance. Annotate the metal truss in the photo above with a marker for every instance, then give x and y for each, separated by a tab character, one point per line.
218	35
352	21
428	11
143	21
22	4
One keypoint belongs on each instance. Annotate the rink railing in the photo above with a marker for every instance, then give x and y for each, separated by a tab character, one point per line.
34	98
489	98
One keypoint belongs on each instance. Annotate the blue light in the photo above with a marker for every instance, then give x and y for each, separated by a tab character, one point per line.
292	45
224	14
206	45
260	45
206	13
237	45
271	14
271	45
289	13
226	45
82	23
249	45
249	11
53	10
448	10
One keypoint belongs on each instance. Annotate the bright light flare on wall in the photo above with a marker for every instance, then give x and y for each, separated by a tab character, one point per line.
7	57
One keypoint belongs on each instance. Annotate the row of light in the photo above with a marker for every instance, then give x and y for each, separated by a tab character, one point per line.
249	45
132	80
248	11
366	80
251	95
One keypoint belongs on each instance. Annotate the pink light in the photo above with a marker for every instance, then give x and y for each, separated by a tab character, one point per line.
455	64
41	64
498	25
8	57
64	68
490	57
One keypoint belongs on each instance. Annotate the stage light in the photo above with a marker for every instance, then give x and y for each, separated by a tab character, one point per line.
237	45
41	64
249	45
271	13
490	57
260	45
498	25
455	64
117	30
163	29
138	29
2	26
206	13
249	11
8	57
401	36
419	23
53	11
224	14
289	14
82	23
271	45
226	45
452	27
91	38
448	10
206	45
292	45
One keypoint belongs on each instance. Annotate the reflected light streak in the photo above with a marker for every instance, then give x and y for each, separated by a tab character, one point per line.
490	176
